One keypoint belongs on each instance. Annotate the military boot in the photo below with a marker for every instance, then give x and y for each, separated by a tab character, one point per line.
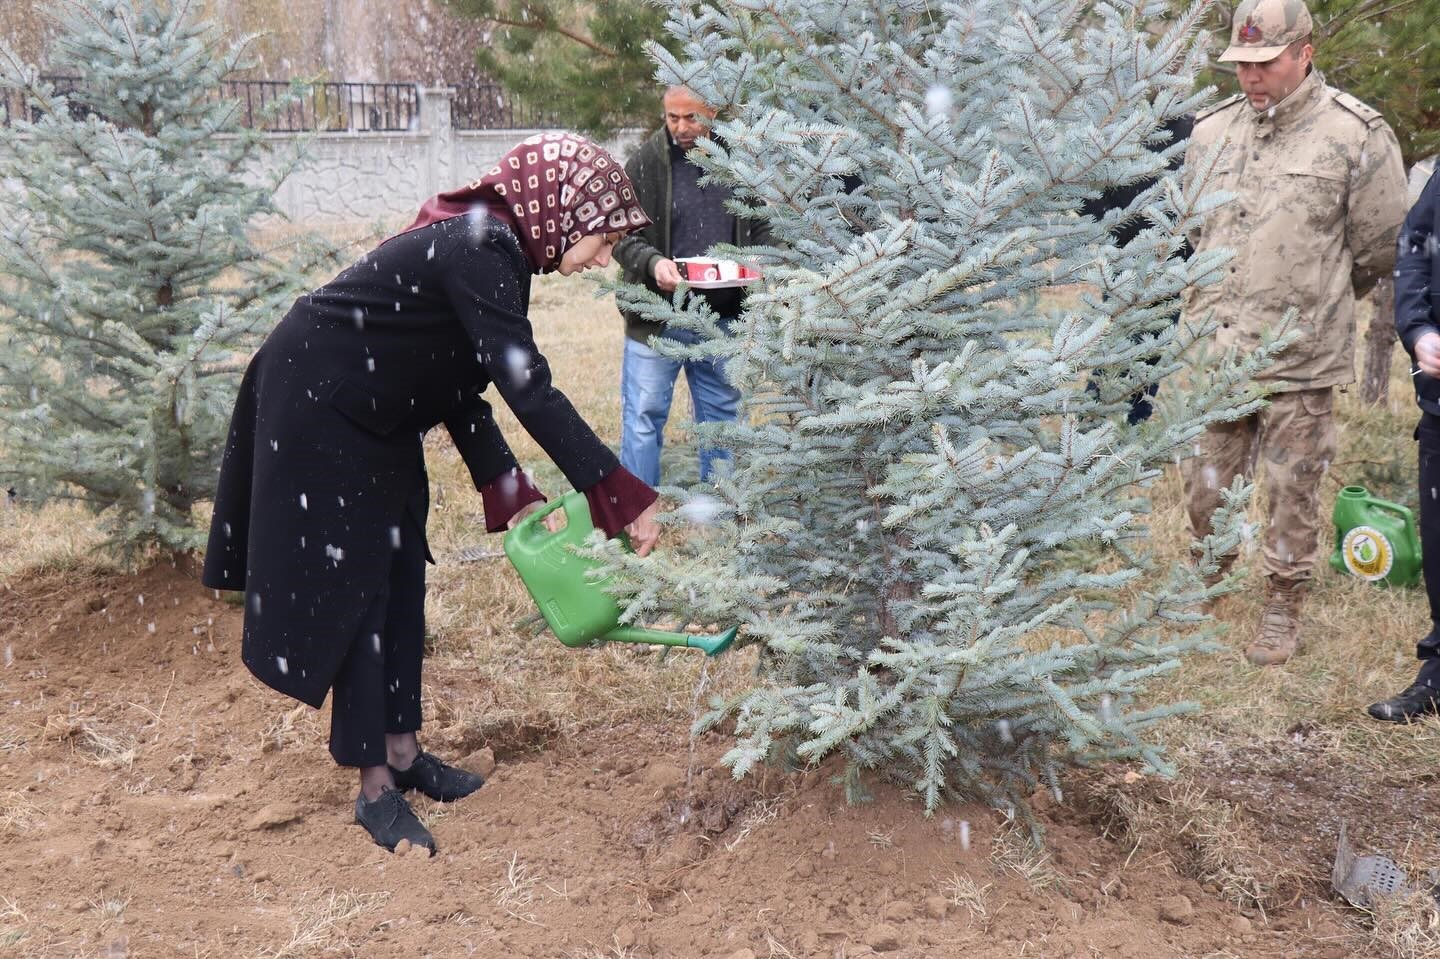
1279	623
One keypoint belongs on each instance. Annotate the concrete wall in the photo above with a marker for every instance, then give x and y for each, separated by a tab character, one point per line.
369	176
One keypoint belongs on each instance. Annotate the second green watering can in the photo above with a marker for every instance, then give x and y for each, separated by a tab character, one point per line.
577	609
1375	540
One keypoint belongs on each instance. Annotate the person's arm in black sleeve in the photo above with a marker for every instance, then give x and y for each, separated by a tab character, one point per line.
477	436
1415	256
636	252
484	284
504	487
638	258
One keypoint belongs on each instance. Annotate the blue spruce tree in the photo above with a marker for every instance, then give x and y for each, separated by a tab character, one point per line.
132	284
935	528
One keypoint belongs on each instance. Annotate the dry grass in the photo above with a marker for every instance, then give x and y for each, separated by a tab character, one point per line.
98	744
515	893
317	922
108	909
1217	846
761	812
13	923
290	728
106	749
878	838
17	814
964	892
1406	927
1013	851
61	537
614	952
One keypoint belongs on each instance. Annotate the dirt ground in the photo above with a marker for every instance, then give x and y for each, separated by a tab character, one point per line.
156	801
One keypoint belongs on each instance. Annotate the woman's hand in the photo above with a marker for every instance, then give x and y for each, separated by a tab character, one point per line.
644	531
553	522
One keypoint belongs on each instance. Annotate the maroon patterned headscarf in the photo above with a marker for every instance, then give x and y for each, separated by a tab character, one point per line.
556	188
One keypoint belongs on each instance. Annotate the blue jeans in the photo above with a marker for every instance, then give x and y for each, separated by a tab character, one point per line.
647	385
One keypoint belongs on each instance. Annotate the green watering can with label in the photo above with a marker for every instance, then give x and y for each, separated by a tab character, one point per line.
1375	540
577	608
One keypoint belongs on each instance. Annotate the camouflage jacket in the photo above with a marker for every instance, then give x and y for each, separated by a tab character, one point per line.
1319	194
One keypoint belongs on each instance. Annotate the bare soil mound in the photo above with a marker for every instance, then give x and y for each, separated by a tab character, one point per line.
156	801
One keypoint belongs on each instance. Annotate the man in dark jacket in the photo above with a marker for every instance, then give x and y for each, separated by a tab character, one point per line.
1417	320
1119	198
688	219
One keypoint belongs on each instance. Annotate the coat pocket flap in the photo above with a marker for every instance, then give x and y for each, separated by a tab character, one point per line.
378	414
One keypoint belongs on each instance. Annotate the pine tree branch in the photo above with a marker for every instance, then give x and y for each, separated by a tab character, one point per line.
1368	10
547	26
829	71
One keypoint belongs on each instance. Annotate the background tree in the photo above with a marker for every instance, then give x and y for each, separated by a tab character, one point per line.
934	530
132	280
583	64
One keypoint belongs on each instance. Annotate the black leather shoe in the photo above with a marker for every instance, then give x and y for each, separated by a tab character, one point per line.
440	782
389	819
1417	700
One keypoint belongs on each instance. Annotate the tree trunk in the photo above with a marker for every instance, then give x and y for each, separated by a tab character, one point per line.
1379	340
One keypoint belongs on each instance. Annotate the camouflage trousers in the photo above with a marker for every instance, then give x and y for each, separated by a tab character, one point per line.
1294	439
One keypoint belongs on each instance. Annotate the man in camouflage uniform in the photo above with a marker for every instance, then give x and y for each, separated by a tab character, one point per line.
1319	192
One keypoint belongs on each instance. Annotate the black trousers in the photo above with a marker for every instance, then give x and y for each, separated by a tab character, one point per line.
1428	433
377	690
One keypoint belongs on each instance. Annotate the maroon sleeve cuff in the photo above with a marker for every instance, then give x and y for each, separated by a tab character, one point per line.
617	499
505	495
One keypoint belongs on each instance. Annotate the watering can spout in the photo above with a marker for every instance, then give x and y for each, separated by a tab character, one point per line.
577	609
712	645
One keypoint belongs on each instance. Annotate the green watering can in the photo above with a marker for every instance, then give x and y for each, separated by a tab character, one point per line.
578	609
1375	540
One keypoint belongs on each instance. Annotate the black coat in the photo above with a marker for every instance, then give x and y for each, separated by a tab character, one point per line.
1417	284
325	441
1122	195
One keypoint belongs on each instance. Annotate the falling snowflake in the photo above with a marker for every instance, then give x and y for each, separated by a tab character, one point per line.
517	361
701	510
938	101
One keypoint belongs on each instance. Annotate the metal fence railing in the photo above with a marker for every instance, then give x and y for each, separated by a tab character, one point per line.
361	107
273	105
12	102
489	106
278	107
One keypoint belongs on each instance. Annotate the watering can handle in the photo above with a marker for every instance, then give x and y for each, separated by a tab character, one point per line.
577	516
532	526
1403	512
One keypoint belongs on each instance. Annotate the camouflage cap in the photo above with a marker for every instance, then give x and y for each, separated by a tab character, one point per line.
1264	28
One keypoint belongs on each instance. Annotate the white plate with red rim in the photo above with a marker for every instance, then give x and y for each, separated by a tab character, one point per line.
708	273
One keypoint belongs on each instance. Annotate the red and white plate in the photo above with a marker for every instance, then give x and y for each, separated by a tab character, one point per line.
708	273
